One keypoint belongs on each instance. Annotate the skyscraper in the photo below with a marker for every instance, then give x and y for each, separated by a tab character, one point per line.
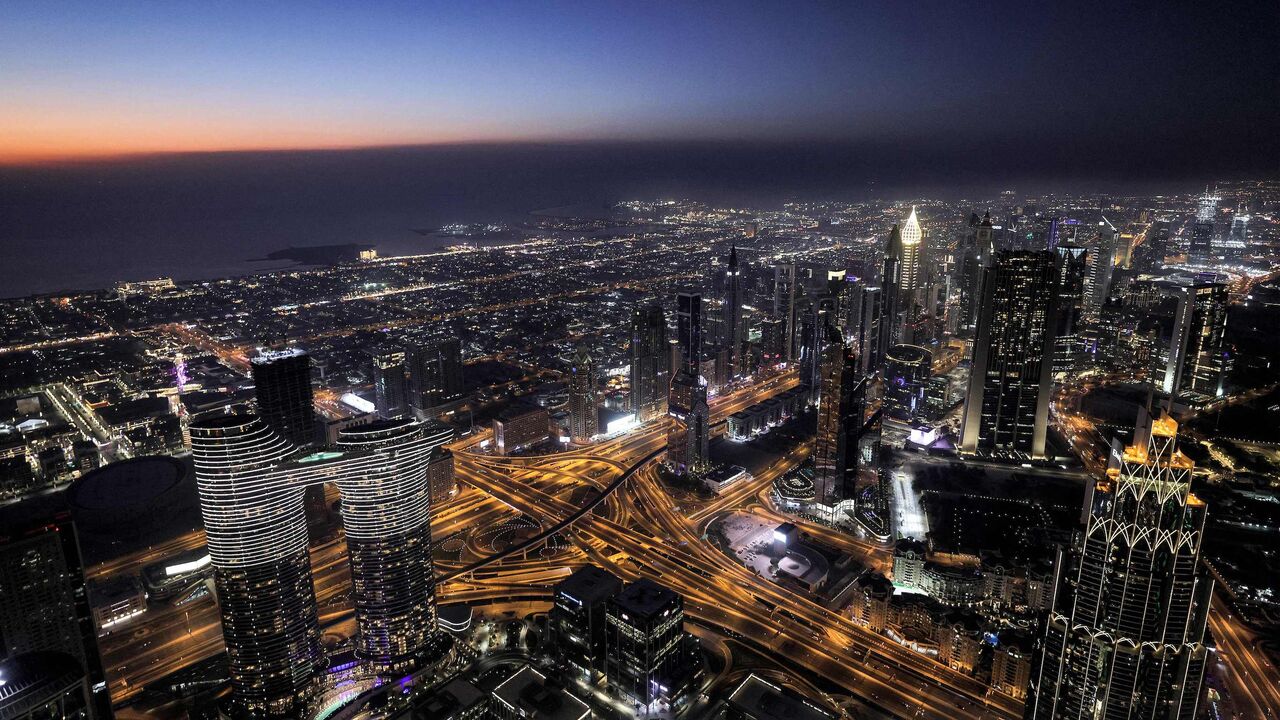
1201	248
251	482
972	257
841	407
282	386
1007	407
689	435
583	415
434	375
1125	639
689	329
1197	354
577	619
1072	260
390	386
1101	262
44	605
910	248
649	656
733	332
257	540
649	362
784	306
893	305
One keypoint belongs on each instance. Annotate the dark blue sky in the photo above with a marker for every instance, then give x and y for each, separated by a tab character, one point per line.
1099	82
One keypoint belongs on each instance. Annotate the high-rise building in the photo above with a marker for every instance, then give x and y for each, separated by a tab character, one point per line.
689	434
1197	354
1201	247
577	619
434	375
972	257
583	414
45	616
390	385
649	363
894	305
251	483
282	386
1101	263
910	249
1007	407
649	654
784	306
733	333
44	684
689	329
869	336
906	370
1126	638
1072	261
772	341
841	411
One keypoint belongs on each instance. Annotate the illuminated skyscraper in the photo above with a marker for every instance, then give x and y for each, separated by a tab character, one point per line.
1007	408
282	386
257	538
1125	638
1201	248
1197	353
390	386
583	414
733	332
251	482
1101	263
650	657
649	363
910	247
841	407
434	375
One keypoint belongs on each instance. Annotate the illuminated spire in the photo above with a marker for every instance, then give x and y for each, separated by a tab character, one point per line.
911	232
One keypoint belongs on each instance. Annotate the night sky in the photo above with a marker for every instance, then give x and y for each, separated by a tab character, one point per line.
1146	88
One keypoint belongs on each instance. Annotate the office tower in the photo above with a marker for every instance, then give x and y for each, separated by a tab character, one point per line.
583	415
282	386
772	342
251	483
1072	260
906	370
649	656
809	358
1125	639
689	329
1197	355
649	363
1101	260
892	307
784	306
733	334
257	539
434	373
1201	248
390	387
577	619
386	515
520	425
868	338
1007	407
45	616
689	435
1237	240
973	256
841	408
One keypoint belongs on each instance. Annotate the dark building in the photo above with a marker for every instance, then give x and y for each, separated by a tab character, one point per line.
434	375
390	384
1067	344
689	329
46	622
972	257
649	655
520	425
689	435
577	619
282	386
1126	637
784	306
733	334
1007	407
841	408
756	698
649	363
1197	352
584	421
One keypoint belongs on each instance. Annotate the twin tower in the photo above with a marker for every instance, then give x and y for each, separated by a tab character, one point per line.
251	482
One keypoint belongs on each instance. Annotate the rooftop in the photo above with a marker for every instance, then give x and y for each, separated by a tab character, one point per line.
590	585
645	598
760	699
